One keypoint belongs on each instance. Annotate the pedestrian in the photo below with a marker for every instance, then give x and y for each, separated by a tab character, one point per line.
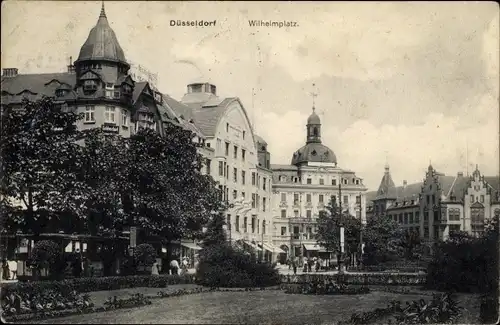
154	269
184	265
5	270
318	263
294	265
174	267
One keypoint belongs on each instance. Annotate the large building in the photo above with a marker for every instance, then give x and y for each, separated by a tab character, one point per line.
303	188
241	164
101	85
439	204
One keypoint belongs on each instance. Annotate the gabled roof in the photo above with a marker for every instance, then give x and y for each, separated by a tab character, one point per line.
139	87
493	181
207	118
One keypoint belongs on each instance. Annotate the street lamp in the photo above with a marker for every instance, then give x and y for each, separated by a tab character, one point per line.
340	256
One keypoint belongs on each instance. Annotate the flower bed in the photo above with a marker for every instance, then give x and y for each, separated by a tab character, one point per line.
358	278
113	303
323	287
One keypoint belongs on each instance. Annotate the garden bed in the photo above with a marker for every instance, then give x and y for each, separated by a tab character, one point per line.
359	278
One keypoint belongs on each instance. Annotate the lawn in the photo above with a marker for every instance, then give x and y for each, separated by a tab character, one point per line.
254	307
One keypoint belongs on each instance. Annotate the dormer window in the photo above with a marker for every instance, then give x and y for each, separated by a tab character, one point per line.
61	92
90	85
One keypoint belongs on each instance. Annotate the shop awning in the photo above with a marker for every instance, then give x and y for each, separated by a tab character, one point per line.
272	248
257	248
310	247
191	246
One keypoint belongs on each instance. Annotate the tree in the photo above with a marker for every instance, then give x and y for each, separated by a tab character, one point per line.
170	197
409	240
381	236
215	234
329	223
39	161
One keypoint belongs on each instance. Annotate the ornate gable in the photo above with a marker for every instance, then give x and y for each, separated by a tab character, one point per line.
90	75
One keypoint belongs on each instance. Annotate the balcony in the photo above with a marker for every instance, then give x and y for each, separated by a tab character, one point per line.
110	128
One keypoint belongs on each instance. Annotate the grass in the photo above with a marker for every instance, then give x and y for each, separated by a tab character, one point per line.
256	307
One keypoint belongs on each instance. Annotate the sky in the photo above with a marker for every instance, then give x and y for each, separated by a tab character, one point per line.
407	83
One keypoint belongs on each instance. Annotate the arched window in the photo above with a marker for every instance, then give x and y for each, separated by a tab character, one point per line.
315	131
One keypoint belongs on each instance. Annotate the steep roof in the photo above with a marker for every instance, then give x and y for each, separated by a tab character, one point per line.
40	84
258	139
102	44
207	118
386	185
493	181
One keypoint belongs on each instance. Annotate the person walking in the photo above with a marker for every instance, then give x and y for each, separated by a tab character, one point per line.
174	267
294	265
154	269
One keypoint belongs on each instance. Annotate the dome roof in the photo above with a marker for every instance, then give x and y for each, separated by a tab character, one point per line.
314	152
102	43
313	118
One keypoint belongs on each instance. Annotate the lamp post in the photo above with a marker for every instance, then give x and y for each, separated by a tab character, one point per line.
340	256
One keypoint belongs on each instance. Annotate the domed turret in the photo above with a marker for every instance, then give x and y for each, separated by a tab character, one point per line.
102	44
314	150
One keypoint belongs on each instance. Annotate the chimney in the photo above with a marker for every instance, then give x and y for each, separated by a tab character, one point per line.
71	67
460	174
9	72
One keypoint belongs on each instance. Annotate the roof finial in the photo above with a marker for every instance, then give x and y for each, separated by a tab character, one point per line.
103	13
386	161
313	94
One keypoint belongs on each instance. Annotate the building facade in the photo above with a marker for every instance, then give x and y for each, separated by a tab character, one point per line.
304	188
439	204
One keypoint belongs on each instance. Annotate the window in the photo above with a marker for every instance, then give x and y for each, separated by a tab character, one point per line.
243	152
243	196
253	178
426	217
237	223
283	197
243	177
436	233
417	216
357	182
321	198
454	228
358	199
89	114
406	218
243	135
309	214
283	213
109	114
253	201
221	193
208	166
264	204
482	199
321	181
346	199
264	184
218	144
227	127
245	224
109	90
283	231
124	118
426	232
235	152
472	198
295	198
411	218
334	182
428	199
227	148
309	181
235	194
296	213
433	199
308	198
235	175
344	181
221	168
454	214
89	85
400	218
253	225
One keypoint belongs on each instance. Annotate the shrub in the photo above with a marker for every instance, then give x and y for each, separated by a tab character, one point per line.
225	266
145	254
46	254
360	278
317	286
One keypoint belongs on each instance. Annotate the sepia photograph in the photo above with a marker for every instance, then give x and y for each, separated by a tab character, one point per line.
256	162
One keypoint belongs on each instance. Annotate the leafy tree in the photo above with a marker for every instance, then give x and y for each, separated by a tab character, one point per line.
329	223
409	240
39	161
215	234
170	197
381	240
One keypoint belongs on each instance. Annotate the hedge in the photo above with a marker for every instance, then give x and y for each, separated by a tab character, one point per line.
358	278
90	284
